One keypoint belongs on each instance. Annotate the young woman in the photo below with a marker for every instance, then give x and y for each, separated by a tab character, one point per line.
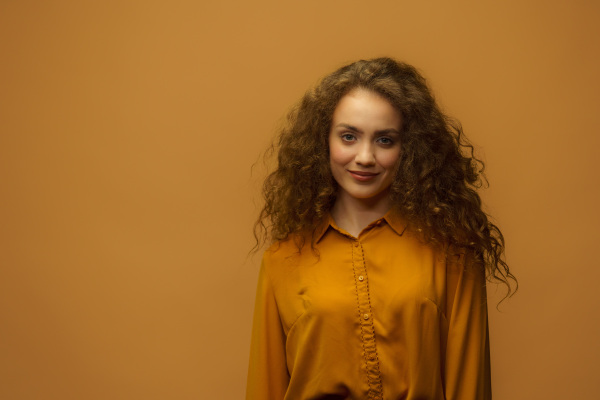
374	286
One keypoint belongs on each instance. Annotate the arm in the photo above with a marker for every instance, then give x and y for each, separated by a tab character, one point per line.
268	376
467	372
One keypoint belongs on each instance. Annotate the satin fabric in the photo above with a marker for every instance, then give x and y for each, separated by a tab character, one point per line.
380	316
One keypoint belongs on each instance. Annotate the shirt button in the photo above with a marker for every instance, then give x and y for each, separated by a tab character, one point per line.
361	278
366	316
356	244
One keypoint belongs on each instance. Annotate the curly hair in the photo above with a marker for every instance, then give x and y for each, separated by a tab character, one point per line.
435	184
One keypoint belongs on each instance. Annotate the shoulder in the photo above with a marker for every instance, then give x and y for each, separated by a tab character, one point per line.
465	262
286	247
285	254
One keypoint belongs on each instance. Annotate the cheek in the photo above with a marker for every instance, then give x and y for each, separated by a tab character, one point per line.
390	160
339	155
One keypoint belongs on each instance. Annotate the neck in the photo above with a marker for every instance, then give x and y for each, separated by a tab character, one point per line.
353	215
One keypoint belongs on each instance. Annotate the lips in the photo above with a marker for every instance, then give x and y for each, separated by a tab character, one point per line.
362	176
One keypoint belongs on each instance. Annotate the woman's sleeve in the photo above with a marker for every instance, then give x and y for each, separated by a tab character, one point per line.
268	376
467	370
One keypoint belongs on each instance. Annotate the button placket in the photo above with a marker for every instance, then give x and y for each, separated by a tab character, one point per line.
366	322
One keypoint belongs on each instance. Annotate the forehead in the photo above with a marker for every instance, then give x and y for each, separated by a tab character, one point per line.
366	107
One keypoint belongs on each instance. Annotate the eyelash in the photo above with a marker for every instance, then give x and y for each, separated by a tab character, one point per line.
389	141
348	137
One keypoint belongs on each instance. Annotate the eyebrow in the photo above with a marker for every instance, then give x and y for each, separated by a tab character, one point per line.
355	129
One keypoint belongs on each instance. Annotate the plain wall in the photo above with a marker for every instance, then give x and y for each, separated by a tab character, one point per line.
127	133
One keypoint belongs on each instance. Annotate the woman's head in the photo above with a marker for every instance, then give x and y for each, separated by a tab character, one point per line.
434	180
303	186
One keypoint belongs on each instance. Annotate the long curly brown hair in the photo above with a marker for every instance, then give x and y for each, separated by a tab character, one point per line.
435	184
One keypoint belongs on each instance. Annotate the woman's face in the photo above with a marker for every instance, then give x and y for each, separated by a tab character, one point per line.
364	144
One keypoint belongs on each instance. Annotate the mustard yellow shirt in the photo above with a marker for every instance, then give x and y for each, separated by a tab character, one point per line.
380	316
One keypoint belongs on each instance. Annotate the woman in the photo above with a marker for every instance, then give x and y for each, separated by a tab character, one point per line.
374	287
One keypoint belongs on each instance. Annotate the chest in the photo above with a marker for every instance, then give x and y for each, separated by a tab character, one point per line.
350	280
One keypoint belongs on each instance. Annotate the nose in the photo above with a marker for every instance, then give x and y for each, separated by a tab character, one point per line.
365	155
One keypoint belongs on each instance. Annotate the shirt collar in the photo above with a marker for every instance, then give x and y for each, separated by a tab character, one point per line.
393	219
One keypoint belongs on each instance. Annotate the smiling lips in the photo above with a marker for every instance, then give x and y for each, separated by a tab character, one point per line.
363	176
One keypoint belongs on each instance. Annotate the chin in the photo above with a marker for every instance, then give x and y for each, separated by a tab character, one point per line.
367	196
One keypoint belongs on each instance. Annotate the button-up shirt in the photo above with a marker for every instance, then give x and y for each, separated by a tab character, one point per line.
378	316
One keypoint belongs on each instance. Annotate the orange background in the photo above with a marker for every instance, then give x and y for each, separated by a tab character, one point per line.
127	134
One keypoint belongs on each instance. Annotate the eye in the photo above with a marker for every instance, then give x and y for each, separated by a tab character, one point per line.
348	137
386	141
